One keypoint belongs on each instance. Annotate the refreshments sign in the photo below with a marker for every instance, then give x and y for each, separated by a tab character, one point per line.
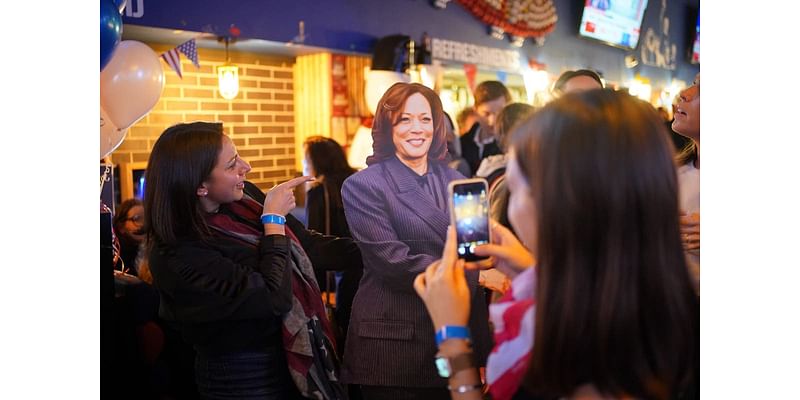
466	53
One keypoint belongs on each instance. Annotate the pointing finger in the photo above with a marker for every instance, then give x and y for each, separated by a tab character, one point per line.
294	182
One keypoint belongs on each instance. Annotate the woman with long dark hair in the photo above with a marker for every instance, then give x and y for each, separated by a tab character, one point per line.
601	304
325	160
234	275
128	225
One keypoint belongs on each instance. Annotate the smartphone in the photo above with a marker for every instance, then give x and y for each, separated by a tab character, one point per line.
469	213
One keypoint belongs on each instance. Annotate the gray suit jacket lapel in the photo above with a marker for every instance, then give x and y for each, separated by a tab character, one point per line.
411	194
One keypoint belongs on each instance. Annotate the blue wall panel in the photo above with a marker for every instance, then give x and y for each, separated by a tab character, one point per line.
354	25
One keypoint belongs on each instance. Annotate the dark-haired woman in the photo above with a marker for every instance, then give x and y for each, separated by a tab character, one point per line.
398	212
606	308
128	225
234	274
325	160
577	81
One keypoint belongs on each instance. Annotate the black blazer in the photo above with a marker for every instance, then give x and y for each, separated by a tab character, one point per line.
470	151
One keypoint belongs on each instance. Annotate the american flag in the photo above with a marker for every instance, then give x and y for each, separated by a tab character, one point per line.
173	58
189	49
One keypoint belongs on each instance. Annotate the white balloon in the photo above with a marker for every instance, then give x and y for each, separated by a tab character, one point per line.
110	136
131	83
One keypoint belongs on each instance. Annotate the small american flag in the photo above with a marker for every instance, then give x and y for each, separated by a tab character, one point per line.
173	58
189	49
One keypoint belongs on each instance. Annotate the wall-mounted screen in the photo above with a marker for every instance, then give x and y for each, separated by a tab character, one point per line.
614	22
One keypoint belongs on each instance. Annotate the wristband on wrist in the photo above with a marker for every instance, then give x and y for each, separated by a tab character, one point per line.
465	388
452	332
273	219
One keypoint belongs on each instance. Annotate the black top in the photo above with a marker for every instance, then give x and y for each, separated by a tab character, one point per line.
348	285
471	152
315	213
335	252
224	295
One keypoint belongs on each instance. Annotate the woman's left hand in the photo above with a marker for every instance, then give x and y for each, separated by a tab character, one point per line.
443	287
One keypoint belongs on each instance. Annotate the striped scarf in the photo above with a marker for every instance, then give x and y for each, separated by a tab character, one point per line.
513	317
307	334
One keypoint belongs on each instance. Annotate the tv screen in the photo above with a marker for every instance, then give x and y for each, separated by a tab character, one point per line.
138	183
696	44
614	22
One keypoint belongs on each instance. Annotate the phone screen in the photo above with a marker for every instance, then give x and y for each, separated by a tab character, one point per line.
471	215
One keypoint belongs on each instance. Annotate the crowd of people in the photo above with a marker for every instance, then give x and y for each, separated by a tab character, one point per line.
591	289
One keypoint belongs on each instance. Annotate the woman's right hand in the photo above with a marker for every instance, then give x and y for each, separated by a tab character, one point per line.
510	256
690	231
280	199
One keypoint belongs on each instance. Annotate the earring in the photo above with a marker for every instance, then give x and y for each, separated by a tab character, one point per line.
203	192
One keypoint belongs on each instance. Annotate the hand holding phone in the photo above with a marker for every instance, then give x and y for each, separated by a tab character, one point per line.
469	214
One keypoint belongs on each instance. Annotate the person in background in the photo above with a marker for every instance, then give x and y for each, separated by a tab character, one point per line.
680	141
398	213
594	311
493	168
233	274
480	141
325	160
465	119
575	81
456	162
129	227
687	123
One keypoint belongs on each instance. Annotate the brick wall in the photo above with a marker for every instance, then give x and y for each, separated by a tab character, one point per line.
260	120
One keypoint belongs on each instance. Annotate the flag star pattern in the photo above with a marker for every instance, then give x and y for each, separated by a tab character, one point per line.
189	49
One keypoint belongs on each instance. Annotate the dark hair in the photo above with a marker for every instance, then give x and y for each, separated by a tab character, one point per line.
615	303
182	158
390	108
490	90
558	87
508	117
121	215
328	159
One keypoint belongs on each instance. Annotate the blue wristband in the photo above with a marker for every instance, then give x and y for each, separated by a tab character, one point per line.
273	219
452	332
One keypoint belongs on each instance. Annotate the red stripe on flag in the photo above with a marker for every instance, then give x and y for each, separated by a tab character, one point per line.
173	58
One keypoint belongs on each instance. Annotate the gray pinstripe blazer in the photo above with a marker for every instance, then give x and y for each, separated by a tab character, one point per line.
400	231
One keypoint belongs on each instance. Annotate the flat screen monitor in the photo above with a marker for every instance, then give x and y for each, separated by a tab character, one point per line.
614	22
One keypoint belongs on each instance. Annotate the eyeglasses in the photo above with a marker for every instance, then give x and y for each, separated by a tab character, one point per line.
136	219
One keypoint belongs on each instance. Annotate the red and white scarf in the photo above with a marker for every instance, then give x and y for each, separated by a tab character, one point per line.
513	317
307	334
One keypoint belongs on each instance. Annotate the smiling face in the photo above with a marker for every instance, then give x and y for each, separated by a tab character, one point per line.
225	184
687	112
413	132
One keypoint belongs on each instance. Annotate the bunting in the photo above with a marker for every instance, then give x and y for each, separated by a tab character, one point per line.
189	49
173	56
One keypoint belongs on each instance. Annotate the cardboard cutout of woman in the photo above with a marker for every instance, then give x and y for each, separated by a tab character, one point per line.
398	213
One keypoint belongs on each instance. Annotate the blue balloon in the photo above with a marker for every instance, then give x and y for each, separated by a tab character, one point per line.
110	30
121	5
